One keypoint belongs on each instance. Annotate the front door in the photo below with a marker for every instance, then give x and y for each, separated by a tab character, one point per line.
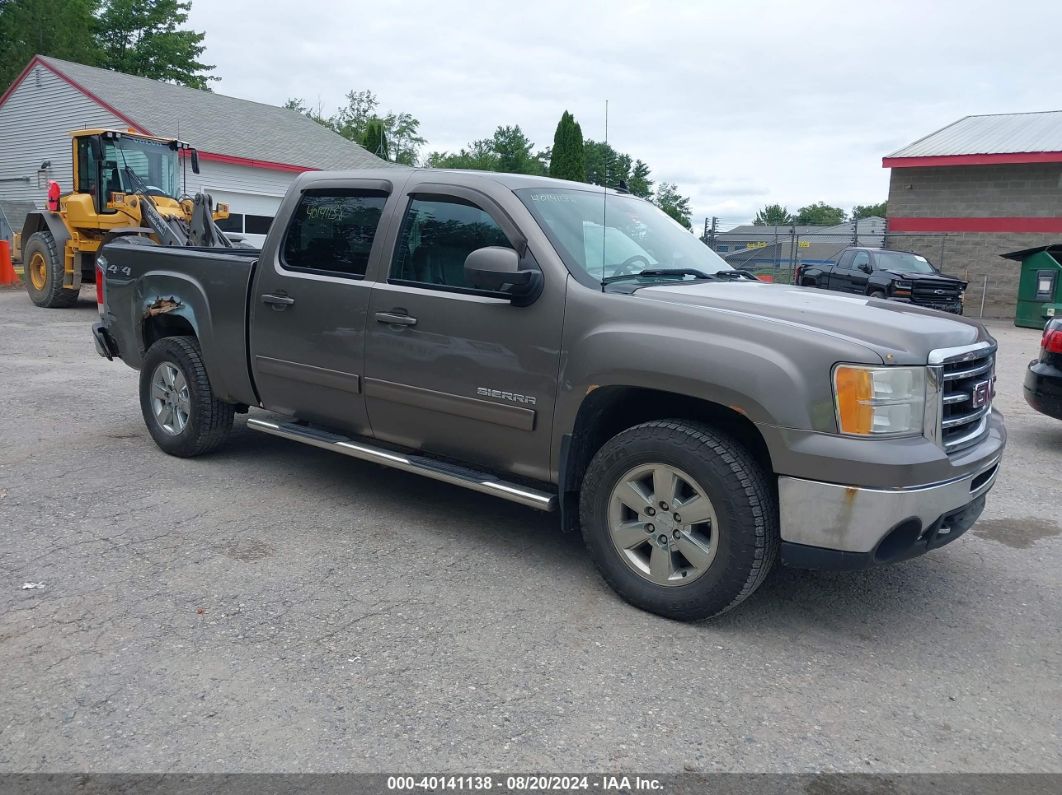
309	306
859	277
450	370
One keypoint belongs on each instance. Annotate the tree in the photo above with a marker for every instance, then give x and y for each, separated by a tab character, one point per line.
401	130
299	106
820	213
514	151
143	37
673	203
479	156
605	166
45	27
870	210
375	139
640	184
773	215
568	157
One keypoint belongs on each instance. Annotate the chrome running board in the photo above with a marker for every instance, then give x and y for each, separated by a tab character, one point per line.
482	482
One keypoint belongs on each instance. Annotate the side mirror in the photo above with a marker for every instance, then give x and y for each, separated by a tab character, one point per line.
497	269
865	267
195	161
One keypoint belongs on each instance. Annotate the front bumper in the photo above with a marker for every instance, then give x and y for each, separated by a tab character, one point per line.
831	526
1043	388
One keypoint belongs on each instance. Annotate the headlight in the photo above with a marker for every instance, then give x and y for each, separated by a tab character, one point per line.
901	285
879	401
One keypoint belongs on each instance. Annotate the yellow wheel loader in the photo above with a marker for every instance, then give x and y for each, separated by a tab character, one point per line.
125	185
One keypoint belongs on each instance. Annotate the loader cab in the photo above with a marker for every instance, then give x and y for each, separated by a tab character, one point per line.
110	165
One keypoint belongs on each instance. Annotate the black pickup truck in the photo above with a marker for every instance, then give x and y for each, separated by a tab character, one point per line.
880	273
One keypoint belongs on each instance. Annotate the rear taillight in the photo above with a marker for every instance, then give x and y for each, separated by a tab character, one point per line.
99	288
1052	341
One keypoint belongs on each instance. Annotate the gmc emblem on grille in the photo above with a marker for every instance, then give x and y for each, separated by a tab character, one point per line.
982	393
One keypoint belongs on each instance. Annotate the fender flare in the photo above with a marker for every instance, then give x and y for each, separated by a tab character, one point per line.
41	221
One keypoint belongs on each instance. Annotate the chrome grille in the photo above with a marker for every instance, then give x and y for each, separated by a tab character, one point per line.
965	380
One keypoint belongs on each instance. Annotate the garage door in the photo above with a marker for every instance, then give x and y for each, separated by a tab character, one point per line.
250	214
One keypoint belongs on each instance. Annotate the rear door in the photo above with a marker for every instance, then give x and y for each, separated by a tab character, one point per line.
449	369
309	304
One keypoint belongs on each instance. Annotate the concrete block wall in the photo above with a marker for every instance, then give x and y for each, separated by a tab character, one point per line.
996	191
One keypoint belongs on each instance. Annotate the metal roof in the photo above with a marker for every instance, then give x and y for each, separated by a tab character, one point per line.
216	123
1003	133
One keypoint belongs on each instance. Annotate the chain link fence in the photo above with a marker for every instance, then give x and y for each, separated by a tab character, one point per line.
775	253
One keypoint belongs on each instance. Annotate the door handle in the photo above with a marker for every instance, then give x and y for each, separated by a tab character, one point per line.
395	319
277	301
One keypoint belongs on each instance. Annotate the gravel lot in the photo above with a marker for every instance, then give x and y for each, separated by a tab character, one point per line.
274	607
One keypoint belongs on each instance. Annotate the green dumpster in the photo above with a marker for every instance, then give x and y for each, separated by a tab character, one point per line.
1039	286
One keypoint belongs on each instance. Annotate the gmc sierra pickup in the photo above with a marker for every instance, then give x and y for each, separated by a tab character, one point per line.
577	351
881	273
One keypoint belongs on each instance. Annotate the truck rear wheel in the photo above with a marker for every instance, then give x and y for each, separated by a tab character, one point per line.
679	519
182	414
44	272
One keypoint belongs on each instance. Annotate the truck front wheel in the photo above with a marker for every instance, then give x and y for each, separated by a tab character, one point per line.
44	273
182	414
679	519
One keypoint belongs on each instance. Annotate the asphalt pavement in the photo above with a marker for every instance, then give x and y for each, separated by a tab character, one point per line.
274	607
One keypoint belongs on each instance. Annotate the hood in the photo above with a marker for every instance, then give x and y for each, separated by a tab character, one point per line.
918	277
906	331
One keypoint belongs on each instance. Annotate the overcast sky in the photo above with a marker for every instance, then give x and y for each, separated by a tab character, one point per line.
740	104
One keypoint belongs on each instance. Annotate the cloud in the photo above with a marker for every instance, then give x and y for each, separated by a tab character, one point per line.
739	104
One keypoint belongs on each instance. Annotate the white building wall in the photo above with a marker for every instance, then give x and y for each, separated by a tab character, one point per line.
35	123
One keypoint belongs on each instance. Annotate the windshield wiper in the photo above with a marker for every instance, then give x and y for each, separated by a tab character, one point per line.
661	272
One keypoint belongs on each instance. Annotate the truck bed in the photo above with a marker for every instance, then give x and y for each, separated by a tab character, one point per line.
151	288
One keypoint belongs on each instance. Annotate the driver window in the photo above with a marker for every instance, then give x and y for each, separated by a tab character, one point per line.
861	259
437	234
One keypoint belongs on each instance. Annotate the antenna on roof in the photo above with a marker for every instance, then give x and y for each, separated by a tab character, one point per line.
604	203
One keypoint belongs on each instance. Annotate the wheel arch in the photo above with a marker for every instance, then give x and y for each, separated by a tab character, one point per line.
609	410
44	222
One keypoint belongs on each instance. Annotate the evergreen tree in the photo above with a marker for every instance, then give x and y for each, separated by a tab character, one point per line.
568	157
640	184
375	139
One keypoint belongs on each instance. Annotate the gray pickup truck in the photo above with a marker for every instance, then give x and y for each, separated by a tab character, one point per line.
572	350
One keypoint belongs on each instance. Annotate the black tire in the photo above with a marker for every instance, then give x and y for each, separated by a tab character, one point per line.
44	273
208	420
739	490
877	294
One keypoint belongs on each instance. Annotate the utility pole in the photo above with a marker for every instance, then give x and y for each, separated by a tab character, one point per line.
711	233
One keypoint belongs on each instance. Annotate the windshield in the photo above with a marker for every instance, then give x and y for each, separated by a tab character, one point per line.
154	163
904	262
635	235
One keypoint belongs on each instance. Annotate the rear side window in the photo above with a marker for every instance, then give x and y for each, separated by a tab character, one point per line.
846	260
331	231
437	234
